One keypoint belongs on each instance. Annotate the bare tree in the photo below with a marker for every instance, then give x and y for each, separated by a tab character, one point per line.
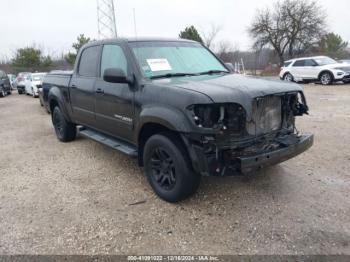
227	51
210	35
291	28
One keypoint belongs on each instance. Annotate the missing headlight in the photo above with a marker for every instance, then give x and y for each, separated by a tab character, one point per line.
225	117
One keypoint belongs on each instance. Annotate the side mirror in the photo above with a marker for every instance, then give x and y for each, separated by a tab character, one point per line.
116	75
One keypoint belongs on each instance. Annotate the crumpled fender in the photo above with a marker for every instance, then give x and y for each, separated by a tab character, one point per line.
171	118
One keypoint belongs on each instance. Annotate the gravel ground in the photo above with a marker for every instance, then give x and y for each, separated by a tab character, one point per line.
76	198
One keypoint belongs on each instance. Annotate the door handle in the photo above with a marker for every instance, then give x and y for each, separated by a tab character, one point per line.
99	91
73	86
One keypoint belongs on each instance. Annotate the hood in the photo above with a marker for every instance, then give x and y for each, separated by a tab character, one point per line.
232	88
342	66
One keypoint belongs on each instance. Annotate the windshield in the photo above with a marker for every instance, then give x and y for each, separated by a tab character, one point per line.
171	58
325	61
286	64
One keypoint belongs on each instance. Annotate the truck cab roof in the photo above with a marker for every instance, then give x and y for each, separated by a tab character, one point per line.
139	39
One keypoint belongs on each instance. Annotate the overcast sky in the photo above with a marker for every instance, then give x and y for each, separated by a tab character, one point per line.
54	24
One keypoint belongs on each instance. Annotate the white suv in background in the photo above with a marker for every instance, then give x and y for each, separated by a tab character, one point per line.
32	86
315	69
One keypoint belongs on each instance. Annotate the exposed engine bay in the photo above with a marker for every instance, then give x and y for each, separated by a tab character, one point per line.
269	126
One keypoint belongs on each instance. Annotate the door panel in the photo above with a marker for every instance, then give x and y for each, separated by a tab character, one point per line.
298	70
114	102
82	86
82	92
310	69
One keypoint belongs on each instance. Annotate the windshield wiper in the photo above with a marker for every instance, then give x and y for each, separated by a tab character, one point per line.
211	72
169	75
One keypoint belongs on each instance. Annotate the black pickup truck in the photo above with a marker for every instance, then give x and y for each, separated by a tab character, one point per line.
174	106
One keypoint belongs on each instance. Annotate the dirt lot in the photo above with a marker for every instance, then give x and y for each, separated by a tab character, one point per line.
75	198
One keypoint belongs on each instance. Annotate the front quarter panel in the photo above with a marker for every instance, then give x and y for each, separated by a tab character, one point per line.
167	106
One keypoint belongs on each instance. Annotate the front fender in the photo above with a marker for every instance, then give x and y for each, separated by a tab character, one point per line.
55	96
171	118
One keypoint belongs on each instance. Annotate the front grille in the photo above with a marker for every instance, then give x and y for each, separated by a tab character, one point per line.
266	115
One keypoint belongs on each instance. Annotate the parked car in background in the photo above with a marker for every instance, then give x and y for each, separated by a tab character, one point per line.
21	80
5	86
315	69
12	79
32	86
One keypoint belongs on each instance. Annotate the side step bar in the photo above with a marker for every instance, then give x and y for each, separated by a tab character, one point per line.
111	142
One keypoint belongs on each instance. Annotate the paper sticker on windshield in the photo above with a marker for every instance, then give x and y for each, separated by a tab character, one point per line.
159	65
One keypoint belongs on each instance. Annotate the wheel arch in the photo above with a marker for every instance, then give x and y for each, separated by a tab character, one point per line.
325	71
55	98
286	73
150	129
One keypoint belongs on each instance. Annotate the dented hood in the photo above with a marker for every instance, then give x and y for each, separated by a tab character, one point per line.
232	88
235	88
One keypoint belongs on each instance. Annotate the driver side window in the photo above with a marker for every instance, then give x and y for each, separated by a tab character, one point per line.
113	57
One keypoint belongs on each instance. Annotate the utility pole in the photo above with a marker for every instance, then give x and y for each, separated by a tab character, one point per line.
135	28
106	22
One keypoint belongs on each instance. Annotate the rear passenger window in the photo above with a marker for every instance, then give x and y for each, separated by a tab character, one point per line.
113	57
89	61
299	63
310	62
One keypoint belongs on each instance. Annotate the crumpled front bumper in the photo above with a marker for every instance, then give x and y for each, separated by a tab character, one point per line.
253	163
224	164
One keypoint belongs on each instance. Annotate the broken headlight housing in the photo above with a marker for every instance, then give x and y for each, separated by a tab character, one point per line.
223	117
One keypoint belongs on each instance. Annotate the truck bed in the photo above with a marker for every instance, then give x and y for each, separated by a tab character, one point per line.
58	78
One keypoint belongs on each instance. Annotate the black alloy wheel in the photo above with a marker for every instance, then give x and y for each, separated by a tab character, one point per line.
163	169
65	131
168	167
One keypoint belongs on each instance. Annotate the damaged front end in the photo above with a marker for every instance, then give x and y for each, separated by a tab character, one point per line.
234	140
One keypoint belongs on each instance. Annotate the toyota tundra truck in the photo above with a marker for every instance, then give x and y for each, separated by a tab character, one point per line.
176	108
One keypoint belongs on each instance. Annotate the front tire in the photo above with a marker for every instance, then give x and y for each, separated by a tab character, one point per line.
65	131
288	77
326	78
168	168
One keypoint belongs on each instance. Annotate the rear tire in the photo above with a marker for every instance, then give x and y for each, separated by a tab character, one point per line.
65	131
168	168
